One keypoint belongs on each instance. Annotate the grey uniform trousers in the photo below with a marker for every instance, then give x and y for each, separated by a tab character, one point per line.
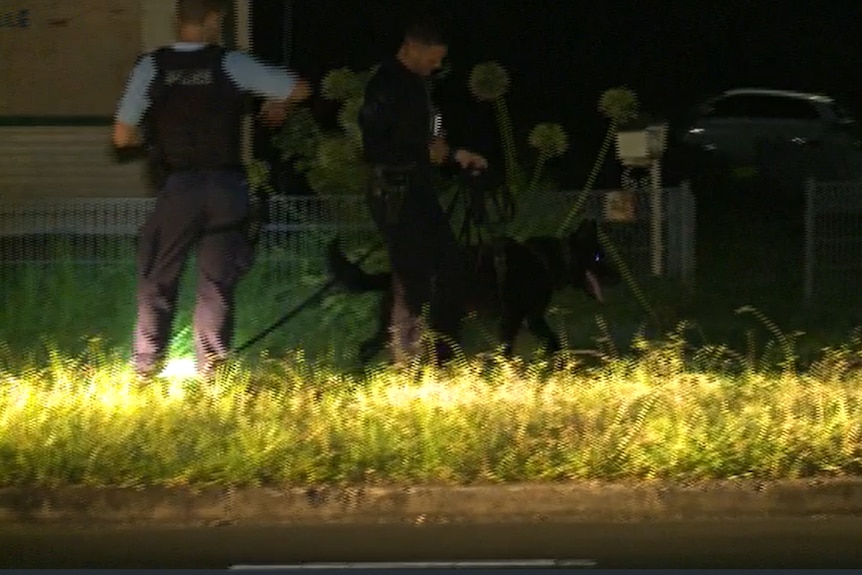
195	209
426	263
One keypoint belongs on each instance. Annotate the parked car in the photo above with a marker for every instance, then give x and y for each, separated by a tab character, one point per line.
736	122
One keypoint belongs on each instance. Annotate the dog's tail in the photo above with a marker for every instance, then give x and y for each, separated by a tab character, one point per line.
351	276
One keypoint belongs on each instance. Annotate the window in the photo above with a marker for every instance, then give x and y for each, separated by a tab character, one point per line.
762	106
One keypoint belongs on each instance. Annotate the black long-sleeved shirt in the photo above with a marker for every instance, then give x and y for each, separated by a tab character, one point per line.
396	116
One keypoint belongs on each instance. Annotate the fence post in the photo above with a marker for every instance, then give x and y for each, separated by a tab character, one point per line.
810	236
688	240
673	238
657	218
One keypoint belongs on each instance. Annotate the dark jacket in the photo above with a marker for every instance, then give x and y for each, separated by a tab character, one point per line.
396	117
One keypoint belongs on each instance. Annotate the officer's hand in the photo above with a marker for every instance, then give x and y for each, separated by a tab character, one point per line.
439	150
470	160
273	113
301	91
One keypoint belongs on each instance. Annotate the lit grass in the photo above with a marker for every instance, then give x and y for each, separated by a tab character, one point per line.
293	422
663	409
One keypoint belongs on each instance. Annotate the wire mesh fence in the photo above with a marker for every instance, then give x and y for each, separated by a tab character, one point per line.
631	234
103	231
833	240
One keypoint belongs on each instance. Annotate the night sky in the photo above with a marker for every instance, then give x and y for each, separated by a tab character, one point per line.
562	54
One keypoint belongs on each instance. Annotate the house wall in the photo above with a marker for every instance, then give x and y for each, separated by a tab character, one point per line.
63	67
66	58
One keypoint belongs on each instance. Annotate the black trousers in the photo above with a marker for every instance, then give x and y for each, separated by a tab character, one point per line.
427	265
206	210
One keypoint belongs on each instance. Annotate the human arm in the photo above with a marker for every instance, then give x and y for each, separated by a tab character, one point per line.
281	88
133	104
384	133
441	153
470	160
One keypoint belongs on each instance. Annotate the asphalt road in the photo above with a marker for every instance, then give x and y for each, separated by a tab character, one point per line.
811	543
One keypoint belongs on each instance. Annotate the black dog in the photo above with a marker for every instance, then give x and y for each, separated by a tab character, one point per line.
534	269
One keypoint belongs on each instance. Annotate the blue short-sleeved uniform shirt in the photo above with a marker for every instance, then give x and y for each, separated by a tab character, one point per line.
247	72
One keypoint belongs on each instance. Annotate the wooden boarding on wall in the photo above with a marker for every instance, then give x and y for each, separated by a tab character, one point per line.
66	58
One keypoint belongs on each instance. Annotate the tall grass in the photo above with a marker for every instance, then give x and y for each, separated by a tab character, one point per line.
71	413
295	422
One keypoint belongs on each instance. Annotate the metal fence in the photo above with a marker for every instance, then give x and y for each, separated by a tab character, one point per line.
103	230
633	239
833	240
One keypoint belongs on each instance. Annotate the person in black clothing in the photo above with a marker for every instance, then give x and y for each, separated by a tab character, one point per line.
399	143
190	98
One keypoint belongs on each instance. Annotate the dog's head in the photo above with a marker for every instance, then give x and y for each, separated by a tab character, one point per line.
588	266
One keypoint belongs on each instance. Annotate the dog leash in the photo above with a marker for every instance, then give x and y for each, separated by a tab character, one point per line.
313	298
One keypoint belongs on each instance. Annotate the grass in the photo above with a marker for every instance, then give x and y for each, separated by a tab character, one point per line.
63	305
297	423
733	396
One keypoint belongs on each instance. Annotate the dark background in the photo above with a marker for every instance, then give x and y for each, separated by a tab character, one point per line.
562	54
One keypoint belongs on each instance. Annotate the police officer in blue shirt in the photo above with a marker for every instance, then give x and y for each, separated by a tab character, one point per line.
190	98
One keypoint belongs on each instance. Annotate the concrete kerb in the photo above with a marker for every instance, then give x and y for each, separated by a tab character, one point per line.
580	501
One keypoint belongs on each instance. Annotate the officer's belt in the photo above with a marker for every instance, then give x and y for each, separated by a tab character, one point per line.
390	184
174	168
394	169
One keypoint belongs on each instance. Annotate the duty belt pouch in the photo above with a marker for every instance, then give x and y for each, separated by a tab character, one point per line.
391	184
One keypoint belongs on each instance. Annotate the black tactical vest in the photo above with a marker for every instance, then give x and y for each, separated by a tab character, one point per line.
194	121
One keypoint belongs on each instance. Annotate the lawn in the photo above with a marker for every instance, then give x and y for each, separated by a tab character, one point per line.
296	423
719	395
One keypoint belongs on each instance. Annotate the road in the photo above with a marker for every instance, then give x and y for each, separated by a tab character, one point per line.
803	543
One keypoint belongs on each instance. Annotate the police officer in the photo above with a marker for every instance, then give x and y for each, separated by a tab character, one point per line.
400	145
193	95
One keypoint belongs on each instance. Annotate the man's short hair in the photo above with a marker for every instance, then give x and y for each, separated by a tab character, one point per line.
425	32
196	11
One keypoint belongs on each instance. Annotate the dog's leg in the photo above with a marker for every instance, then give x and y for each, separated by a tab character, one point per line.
539	327
372	346
510	325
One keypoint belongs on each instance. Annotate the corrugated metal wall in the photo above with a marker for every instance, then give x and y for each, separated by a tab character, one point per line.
65	161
